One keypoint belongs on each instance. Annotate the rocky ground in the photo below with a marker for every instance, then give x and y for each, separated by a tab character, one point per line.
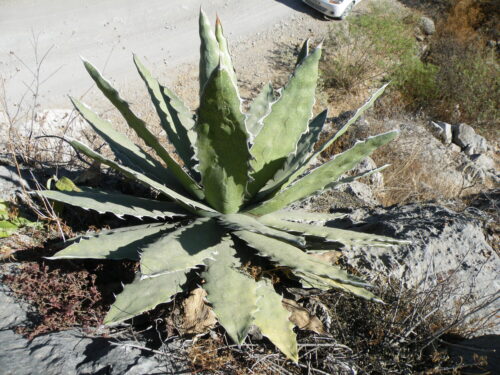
441	194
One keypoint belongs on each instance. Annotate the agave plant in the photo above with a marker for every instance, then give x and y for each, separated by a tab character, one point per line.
237	174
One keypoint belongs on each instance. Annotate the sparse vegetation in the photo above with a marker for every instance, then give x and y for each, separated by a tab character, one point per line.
455	77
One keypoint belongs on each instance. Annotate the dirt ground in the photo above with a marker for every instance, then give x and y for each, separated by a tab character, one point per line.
54	34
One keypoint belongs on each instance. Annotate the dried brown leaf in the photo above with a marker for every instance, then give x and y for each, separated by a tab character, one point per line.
330	257
197	317
302	318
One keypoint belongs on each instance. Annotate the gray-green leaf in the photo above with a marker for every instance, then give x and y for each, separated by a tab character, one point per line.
287	255
182	249
143	295
232	294
288	120
272	320
127	152
115	203
122	243
187	203
324	174
222	144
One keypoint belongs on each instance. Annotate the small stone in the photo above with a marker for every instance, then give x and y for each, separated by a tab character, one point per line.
375	180
454	148
441	131
360	191
427	26
470	142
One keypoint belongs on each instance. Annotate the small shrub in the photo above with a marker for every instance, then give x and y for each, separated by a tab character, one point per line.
372	45
416	82
468	82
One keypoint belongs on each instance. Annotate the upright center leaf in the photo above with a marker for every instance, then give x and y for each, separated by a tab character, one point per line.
222	143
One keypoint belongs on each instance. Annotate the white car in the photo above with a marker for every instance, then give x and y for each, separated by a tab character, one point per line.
332	8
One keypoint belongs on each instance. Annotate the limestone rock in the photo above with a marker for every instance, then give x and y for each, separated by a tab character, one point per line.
427	26
360	191
375	180
447	247
70	352
470	142
483	161
10	182
442	131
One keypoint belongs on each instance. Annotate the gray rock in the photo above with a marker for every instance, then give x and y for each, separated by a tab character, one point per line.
442	131
69	352
10	182
454	148
483	161
470	142
427	25
375	180
448	250
11	313
360	191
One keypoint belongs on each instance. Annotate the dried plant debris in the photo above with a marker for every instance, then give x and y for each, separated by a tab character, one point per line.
198	317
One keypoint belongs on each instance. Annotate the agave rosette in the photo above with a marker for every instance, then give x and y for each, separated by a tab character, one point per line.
239	172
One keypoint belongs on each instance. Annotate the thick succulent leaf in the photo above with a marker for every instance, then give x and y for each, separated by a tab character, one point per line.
139	126
288	120
259	109
115	203
346	237
289	256
143	295
175	118
184	122
324	175
122	243
187	203
246	222
182	249
336	136
222	144
126	151
209	50
305	147
303	53
232	294
225	56
313	281
301	216
272	320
